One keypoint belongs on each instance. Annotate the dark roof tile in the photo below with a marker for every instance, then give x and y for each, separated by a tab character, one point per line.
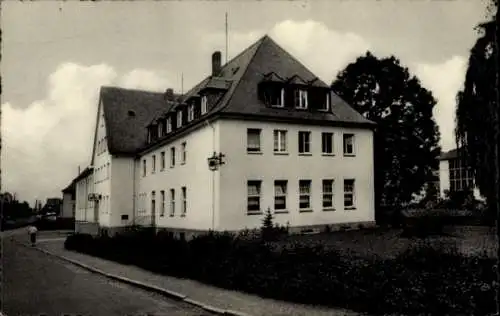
125	133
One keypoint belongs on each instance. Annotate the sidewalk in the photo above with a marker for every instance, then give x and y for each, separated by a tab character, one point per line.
218	298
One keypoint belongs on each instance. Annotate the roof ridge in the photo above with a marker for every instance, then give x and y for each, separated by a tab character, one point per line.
105	87
237	83
295	58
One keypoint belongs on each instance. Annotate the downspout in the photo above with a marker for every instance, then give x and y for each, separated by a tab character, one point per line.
134	193
213	176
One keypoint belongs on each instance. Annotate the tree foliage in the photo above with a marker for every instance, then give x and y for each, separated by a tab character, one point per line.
477	112
406	137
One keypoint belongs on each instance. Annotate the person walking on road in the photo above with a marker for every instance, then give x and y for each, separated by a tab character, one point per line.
32	230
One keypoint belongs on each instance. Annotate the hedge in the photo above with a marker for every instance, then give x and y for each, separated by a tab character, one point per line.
422	280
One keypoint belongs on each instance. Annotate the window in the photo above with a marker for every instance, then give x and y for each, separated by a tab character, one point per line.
280	191
327	143
169	124
179	118
275	97
153	164
304	142
461	177
203	104
183	153
162	162
172	157
279	141
190	112
305	194
162	208
349	193
144	167
160	130
253	200
348	144
172	202
327	193
301	99
326	104
253	140
184	201
153	203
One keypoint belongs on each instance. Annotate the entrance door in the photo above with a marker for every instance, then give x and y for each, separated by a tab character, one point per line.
153	209
96	211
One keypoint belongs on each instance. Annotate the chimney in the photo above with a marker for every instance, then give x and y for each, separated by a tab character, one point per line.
169	94
78	170
216	63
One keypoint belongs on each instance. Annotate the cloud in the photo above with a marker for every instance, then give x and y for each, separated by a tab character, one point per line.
143	79
324	51
444	80
45	142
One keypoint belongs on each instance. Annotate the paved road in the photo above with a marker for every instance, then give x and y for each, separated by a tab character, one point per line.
38	284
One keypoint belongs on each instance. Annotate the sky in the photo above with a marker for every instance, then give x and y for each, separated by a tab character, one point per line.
56	55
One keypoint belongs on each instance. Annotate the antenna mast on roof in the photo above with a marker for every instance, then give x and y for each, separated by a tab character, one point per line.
226	39
182	83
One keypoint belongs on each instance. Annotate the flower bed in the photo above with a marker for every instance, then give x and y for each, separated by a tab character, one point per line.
420	280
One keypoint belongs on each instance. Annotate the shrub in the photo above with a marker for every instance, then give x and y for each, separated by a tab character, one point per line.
423	280
269	230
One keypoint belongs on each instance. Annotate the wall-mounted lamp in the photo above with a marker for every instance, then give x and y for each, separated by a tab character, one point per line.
215	161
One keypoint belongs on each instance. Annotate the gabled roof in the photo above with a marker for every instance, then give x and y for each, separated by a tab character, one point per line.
70	188
85	173
272	77
295	79
266	56
217	83
238	79
127	133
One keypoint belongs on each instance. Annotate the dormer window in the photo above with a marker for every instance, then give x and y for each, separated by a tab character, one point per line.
160	129
275	97
325	106
179	118
300	99
203	104
169	124
190	112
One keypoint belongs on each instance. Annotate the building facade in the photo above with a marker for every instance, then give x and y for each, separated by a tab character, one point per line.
260	132
68	201
455	175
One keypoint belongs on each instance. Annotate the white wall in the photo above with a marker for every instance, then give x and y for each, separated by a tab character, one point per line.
67	206
122	191
444	177
84	209
241	166
102	171
194	175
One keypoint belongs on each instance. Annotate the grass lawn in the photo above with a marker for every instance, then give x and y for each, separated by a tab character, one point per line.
387	243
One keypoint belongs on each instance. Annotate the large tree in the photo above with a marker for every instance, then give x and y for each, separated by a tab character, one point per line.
477	114
406	137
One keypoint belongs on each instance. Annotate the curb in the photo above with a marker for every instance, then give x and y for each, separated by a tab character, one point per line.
144	286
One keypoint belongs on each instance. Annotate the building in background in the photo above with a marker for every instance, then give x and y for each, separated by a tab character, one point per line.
259	132
69	201
455	175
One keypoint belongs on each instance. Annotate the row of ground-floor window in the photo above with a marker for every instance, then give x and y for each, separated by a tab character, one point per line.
254	197
142	207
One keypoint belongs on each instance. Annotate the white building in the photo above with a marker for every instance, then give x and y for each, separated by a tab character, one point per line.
454	175
69	201
259	132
